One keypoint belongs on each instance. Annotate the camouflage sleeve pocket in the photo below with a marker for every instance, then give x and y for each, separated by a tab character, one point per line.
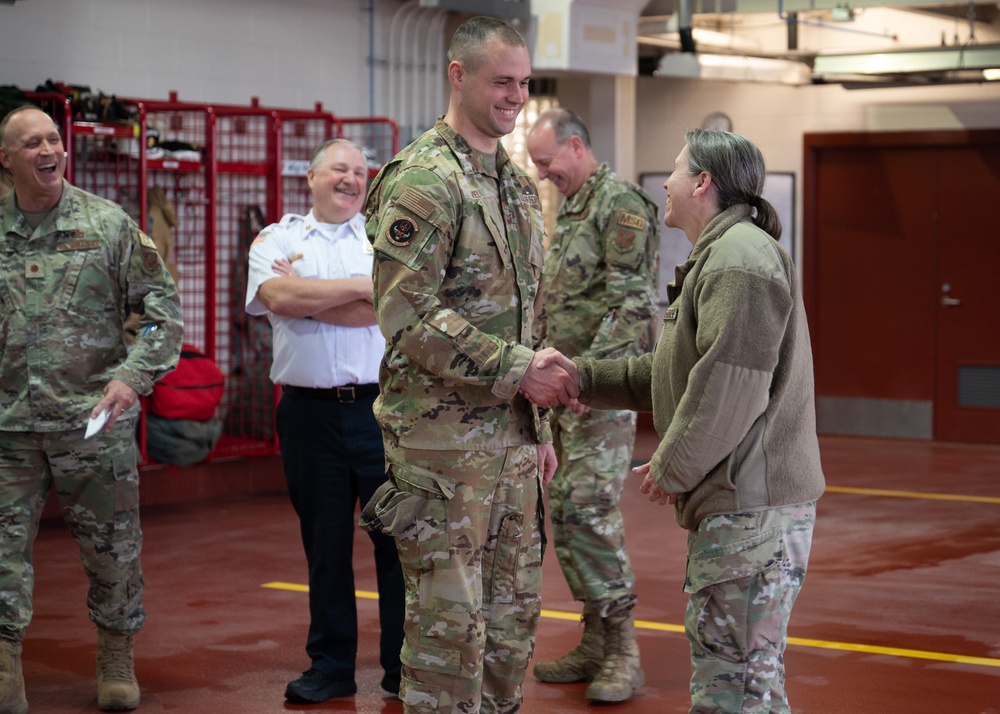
734	561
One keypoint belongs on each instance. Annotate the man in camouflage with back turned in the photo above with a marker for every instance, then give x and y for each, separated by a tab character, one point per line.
457	231
600	295
72	267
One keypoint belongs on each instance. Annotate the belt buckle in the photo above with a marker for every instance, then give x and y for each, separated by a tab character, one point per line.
346	395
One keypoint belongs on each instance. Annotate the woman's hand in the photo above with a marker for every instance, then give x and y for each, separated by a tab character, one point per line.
649	487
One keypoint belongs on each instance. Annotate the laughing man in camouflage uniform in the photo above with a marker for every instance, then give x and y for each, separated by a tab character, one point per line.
600	294
457	231
71	267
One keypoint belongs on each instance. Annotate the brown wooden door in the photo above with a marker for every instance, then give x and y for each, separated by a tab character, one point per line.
967	398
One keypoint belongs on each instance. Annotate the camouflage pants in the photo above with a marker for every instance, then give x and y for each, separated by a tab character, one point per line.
595	453
471	563
97	484
743	575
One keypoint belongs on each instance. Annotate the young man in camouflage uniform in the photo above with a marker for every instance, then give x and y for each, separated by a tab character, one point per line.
600	294
71	267
457	231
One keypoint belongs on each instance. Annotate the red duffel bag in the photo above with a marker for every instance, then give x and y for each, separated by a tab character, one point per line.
192	391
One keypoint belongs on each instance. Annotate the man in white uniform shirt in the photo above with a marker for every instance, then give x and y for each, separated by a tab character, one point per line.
311	275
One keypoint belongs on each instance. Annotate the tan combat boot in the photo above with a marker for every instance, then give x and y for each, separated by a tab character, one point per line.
12	699
117	688
620	673
582	662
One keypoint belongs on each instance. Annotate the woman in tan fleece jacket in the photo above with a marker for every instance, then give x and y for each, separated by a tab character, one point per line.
730	387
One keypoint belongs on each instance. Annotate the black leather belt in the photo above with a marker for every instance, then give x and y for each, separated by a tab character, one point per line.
347	394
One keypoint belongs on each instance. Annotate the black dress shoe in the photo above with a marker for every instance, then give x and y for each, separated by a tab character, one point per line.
390	685
315	686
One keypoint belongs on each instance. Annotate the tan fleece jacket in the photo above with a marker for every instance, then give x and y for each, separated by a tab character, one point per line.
730	382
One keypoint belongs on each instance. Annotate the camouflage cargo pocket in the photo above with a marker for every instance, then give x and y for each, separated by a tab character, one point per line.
422	697
421	531
389	510
736	560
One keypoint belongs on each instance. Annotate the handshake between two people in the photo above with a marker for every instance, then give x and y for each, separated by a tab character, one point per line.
552	378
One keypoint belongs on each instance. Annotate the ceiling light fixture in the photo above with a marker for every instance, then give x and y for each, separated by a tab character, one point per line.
734	68
909	61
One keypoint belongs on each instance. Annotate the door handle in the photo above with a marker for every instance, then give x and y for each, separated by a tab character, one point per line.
949	301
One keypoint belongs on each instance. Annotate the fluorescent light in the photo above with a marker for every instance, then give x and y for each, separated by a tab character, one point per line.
736	68
992	74
910	61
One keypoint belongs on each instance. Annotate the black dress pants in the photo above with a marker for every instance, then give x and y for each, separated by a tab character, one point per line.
332	456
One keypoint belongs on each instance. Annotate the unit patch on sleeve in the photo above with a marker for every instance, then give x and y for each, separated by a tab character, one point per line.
401	231
151	262
624	240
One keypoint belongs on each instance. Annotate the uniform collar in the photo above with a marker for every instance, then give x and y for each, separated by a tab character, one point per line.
470	160
719	225
14	221
356	225
579	200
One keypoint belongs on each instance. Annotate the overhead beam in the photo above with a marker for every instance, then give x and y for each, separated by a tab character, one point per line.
712	7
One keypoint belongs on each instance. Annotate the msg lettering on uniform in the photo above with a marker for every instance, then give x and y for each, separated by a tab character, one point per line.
631	220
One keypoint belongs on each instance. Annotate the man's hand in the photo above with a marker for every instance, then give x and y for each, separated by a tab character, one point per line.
560	384
649	486
283	266
547	462
118	397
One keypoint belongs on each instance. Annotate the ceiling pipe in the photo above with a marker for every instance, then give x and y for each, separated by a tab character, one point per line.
828	26
684	28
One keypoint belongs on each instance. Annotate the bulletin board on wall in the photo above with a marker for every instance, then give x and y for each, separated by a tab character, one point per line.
779	189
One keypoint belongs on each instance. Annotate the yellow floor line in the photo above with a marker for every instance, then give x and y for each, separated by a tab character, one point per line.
913	494
664	627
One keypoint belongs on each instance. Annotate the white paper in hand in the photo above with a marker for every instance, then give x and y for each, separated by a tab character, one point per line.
95	424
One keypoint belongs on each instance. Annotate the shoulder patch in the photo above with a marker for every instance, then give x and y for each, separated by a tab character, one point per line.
415	200
624	240
402	231
146	241
631	220
151	262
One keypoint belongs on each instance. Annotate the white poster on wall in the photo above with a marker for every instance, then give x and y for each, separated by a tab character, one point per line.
779	189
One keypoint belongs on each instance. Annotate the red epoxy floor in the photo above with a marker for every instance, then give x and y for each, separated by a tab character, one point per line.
900	611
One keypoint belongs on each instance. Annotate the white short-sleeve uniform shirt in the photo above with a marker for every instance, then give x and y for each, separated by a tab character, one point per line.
310	353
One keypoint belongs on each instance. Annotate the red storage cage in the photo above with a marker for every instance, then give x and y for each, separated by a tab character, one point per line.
244	164
213	176
299	133
378	135
179	192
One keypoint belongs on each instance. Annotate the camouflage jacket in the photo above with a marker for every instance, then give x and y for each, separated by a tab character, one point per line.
458	260
65	291
601	270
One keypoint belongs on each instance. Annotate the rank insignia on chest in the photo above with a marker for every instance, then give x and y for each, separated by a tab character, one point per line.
401	232
670	313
